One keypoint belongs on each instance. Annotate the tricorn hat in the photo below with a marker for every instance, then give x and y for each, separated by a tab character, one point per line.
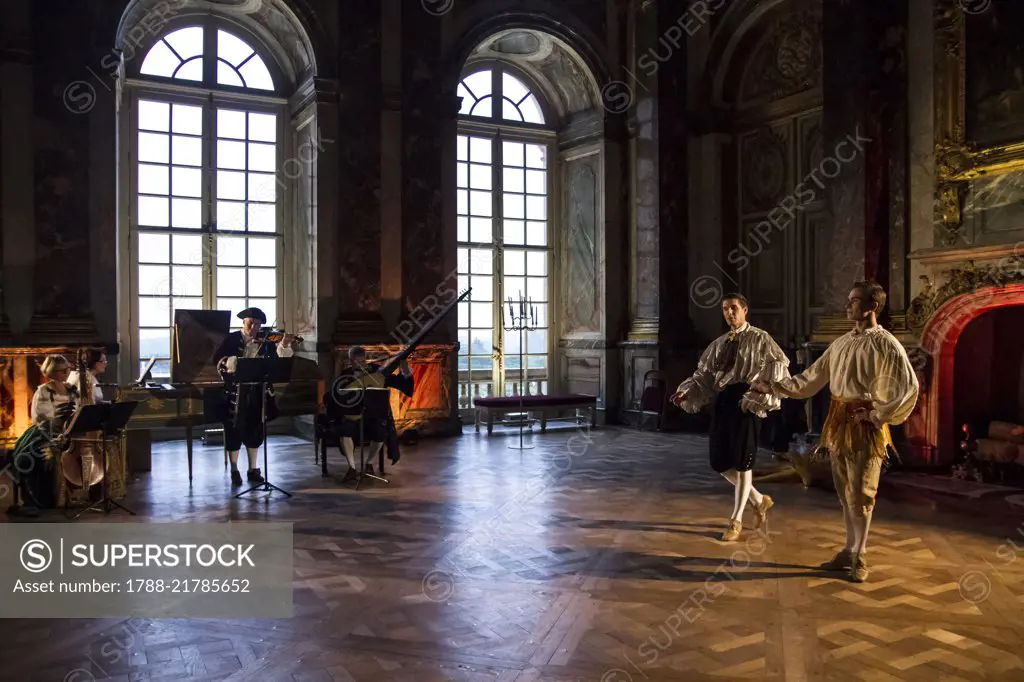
254	313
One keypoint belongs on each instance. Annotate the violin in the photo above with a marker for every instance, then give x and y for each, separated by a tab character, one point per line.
274	335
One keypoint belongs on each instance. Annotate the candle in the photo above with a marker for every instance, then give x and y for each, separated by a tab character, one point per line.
510	311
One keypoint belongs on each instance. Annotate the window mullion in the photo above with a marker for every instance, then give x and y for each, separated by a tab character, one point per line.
209	186
498	267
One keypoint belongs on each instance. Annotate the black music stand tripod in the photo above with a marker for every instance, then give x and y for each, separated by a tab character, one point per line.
374	403
110	419
257	373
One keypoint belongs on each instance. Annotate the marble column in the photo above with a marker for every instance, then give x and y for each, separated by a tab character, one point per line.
17	191
358	219
864	106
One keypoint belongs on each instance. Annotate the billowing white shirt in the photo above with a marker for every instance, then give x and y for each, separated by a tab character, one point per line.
757	357
871	366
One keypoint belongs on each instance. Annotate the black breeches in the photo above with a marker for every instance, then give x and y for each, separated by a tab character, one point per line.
734	433
248	428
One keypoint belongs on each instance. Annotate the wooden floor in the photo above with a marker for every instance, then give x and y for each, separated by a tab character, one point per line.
567	562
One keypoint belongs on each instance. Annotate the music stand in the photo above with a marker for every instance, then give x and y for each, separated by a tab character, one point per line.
374	403
259	372
108	418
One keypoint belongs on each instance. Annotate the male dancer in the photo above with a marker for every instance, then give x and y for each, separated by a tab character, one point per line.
873	385
724	374
247	343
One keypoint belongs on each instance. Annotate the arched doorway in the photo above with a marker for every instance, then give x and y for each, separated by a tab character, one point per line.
530	167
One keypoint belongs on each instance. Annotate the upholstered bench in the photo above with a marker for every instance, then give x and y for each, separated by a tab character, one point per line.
488	408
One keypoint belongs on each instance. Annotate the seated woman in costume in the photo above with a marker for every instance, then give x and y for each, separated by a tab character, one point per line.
53	404
96	363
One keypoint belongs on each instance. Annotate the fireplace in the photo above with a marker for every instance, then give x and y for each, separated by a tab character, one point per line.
971	368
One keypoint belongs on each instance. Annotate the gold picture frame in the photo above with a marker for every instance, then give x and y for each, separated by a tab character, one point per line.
958	160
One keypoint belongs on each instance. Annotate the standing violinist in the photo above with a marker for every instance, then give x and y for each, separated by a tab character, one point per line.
246	425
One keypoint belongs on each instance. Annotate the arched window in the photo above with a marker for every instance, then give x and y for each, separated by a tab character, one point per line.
504	244
203	119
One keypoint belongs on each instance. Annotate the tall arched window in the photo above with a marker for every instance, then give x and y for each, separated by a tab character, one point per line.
204	121
504	235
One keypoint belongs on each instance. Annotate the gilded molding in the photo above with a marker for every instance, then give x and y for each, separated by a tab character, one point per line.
958	160
964	279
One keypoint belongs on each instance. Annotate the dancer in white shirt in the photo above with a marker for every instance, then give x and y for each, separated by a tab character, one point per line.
724	375
873	385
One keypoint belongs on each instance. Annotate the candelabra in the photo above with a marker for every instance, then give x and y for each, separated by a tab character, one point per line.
524	321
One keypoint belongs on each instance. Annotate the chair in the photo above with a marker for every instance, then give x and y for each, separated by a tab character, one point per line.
653	398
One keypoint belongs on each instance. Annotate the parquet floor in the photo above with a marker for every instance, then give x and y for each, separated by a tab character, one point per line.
564	563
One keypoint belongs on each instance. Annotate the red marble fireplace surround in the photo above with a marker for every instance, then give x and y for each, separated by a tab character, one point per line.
932	429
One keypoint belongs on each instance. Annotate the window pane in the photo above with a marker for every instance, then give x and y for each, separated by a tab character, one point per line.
262	157
536	207
542	314
190	71
464	342
153	179
536	182
231	124
531	110
263	128
463	228
482	107
187	42
536	362
461	175
515	262
153	212
480	203
154	343
536	263
512	153
230	215
230	281
514	232
226	75
230	154
154	312
479	150
536	156
483	288
185	303
232	49
188	281
153	280
188	249
481	342
515	287
256	74
187	151
480	176
479	83
268	306
510	112
513	88
462	148
512	180
235	305
154	248
513	206
262	187
481	314
154	115
537	288
230	251
462	201
230	185
187	182
188	120
536	234
463	283
467	99
160	61
463	314
481	261
480	230
187	213
262	217
511	343
154	147
537	341
262	282
263	252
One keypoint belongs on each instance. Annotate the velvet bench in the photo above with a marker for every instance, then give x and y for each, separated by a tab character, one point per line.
488	408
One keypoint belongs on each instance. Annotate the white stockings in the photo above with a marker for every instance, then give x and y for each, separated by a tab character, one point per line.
744	484
348	448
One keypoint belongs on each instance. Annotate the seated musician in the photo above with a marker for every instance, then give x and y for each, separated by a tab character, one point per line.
378	432
243	423
53	405
96	363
